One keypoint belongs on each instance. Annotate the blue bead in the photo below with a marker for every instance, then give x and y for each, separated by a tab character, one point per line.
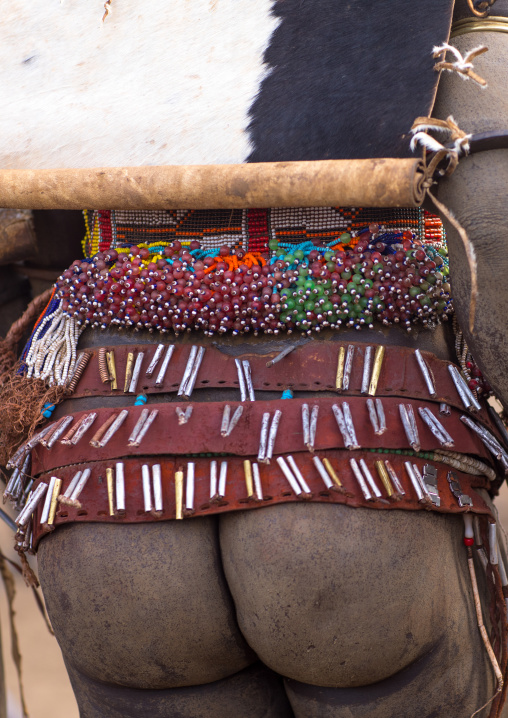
287	394
49	409
141	399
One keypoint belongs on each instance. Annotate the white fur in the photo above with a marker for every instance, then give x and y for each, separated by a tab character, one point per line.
159	82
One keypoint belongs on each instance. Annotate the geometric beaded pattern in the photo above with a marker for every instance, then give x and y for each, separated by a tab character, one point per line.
250	229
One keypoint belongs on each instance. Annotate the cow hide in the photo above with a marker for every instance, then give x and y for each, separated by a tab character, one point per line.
212	81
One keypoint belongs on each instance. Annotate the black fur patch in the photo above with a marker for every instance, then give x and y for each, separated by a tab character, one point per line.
347	79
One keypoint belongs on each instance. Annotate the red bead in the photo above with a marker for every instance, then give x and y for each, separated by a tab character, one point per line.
468	541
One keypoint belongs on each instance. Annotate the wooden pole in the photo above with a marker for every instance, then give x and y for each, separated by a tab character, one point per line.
347	183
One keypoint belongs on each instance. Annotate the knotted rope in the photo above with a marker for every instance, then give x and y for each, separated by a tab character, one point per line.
463	65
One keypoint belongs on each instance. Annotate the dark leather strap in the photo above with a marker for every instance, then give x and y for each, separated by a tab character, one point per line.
275	488
202	432
309	367
487	141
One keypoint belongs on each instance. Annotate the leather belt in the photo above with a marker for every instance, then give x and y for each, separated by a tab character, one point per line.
201	434
275	488
310	367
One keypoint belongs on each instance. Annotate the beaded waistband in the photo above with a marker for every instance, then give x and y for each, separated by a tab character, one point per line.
333	278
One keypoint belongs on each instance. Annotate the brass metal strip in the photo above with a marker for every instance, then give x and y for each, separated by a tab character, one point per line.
488	24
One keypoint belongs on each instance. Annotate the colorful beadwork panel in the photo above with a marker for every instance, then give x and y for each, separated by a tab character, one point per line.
249	229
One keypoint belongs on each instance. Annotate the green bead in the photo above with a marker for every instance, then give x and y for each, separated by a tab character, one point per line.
346	274
368	283
351	287
303	271
327	307
425	301
281	252
445	271
345	238
273	245
328	255
289	258
364	302
414	291
289	303
299	254
309	305
424	286
347	298
360	289
357	278
377	267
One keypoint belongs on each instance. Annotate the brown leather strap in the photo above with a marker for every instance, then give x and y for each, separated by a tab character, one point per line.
309	367
202	435
275	488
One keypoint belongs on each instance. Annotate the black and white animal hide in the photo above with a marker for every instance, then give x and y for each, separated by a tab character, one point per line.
213	81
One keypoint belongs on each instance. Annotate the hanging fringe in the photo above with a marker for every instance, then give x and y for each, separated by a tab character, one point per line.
41	377
22	401
50	354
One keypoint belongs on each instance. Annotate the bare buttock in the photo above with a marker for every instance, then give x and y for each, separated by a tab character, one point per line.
332	599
